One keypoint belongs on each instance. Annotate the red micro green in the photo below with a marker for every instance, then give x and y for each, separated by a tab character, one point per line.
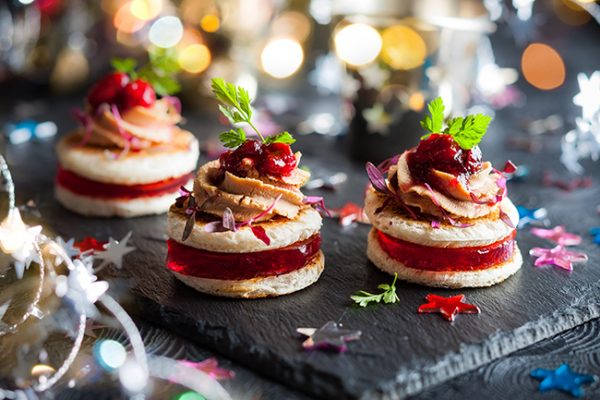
319	203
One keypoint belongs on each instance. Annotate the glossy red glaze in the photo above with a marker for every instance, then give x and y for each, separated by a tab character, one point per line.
107	89
137	93
441	152
448	259
273	159
237	266
87	187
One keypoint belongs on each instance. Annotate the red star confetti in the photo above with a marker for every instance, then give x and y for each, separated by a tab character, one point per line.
558	256
210	366
90	244
449	307
351	213
558	235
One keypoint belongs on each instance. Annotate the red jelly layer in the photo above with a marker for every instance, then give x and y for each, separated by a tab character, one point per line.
237	266
87	187
447	259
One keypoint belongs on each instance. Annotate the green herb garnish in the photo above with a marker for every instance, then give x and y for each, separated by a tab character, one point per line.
388	295
159	72
467	131
235	105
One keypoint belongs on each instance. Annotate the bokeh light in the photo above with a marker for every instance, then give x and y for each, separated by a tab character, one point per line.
543	67
189	395
194	58
210	23
146	9
110	354
357	44
166	32
282	57
125	21
132	376
570	12
291	24
416	101
402	47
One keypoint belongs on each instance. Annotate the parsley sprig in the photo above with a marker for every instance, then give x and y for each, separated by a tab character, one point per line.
234	103
159	72
467	131
388	295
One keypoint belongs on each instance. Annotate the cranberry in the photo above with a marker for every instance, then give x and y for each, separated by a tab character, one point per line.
242	159
107	89
137	93
278	159
441	152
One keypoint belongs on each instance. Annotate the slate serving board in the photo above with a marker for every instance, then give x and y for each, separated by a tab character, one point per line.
401	352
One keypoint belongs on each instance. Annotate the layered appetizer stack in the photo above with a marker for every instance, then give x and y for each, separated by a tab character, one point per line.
128	158
246	230
441	217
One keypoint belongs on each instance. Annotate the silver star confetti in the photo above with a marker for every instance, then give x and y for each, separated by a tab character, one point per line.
68	246
329	336
114	253
588	97
17	240
81	288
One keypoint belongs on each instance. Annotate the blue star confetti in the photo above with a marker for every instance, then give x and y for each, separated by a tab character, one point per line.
534	216
595	232
562	378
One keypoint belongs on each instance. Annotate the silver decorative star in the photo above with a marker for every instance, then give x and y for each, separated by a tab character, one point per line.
588	97
115	251
329	336
378	121
68	246
81	288
17	241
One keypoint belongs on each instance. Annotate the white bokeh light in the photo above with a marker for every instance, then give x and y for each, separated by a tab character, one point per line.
357	44
166	32
282	57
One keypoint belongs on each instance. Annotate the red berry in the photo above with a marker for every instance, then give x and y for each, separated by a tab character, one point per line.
137	93
278	159
107	89
441	152
242	159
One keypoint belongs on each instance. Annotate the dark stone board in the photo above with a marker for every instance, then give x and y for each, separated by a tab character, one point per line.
401	352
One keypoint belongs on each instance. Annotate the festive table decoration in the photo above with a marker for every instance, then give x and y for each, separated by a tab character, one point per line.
210	366
55	270
584	141
350	213
114	251
562	378
89	245
449	307
330	336
388	295
558	235
527	216
567	185
559	256
595	232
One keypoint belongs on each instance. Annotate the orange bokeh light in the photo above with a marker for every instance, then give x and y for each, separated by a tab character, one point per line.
125	21
543	67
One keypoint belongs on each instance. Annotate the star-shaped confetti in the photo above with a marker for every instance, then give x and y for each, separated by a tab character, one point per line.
89	245
378	120
17	241
563	378
81	288
588	97
330	336
69	247
529	216
114	253
210	366
595	232
558	235
449	307
559	256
